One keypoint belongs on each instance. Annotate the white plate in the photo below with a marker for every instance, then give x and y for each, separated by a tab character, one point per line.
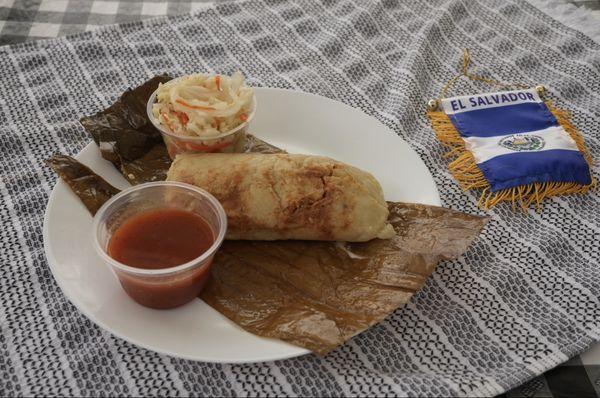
296	121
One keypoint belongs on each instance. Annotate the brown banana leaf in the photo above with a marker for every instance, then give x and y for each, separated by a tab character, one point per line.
127	138
318	295
92	189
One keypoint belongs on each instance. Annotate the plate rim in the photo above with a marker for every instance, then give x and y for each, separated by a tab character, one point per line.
53	262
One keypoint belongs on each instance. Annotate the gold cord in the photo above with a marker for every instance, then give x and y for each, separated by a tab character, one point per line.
465	72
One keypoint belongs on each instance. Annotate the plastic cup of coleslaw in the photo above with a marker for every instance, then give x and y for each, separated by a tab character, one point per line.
230	141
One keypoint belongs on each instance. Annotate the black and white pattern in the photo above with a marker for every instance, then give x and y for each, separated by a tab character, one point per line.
525	298
34	19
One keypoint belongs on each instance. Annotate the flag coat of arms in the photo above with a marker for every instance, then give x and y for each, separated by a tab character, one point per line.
513	145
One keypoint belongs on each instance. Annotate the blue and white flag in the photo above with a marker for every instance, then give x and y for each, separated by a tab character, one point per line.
516	140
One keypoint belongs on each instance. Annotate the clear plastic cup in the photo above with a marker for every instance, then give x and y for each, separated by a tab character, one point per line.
230	141
165	287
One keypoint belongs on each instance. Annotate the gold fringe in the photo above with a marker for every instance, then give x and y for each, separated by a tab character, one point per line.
464	167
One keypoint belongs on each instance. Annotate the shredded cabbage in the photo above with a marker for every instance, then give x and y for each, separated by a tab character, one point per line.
203	105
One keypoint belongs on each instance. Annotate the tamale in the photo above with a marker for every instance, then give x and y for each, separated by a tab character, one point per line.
289	196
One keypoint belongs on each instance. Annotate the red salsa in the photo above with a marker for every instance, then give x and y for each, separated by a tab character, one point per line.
158	239
161	238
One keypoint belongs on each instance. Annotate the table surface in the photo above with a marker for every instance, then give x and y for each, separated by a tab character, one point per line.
40	19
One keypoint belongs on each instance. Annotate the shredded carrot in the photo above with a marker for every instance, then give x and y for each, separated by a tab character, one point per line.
209	148
183	117
168	121
202	108
218	82
244	117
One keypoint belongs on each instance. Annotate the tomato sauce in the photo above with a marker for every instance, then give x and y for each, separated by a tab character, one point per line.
159	239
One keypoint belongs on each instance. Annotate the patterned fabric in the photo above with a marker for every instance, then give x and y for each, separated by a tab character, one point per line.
523	299
33	19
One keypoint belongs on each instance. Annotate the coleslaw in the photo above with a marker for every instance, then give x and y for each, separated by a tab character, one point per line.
201	105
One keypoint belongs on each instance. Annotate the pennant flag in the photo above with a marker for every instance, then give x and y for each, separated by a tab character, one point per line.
514	146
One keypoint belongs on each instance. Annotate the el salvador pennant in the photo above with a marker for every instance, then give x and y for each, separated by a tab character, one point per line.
511	144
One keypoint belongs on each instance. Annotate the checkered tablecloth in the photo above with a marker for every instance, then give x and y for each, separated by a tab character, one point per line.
22	20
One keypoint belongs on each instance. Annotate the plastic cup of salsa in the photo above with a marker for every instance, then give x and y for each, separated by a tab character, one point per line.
153	284
232	141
